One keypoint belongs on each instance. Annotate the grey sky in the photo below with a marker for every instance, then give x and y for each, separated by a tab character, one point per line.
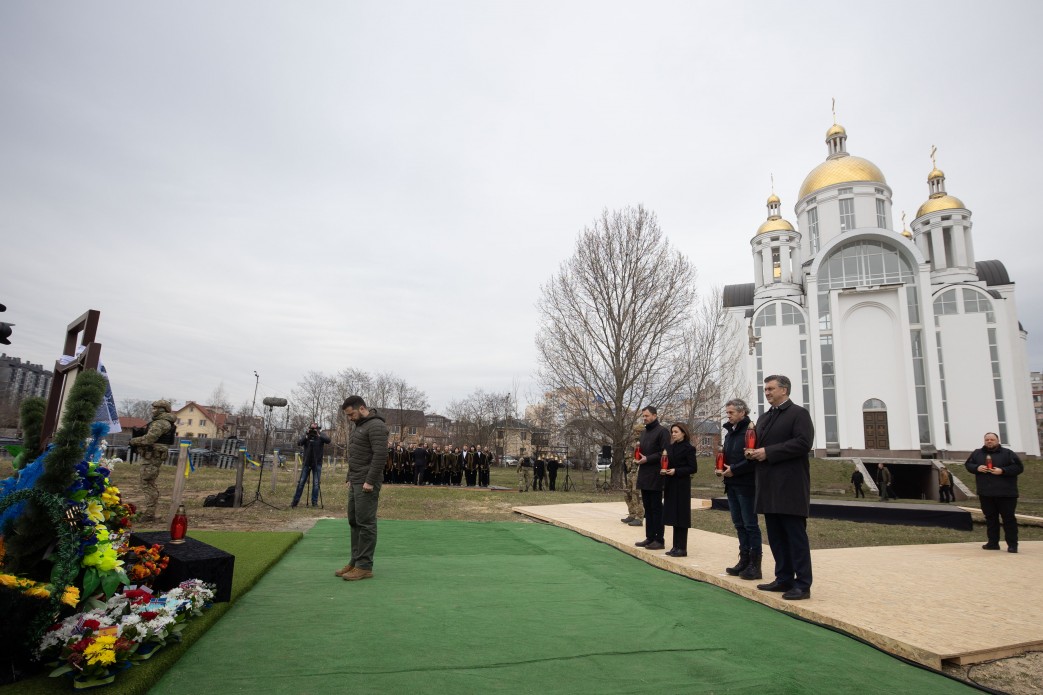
285	187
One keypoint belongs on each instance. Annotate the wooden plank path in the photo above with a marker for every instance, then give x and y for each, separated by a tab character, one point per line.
928	603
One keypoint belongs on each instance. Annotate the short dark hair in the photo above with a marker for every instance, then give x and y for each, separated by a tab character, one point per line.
354	402
684	430
651	409
782	381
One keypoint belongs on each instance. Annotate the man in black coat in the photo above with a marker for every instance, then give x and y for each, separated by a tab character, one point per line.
784	437
313	442
996	470
653	442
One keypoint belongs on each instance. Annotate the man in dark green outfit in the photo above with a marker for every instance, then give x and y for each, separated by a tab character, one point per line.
367	451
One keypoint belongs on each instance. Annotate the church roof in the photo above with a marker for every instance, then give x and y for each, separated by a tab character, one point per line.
846	169
738	295
992	272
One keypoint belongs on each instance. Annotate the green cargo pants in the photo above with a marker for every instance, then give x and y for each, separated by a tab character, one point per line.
362	517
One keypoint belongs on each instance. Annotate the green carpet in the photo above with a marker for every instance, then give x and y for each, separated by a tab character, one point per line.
460	607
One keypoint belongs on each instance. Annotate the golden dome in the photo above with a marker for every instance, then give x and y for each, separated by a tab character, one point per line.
840	170
936	173
944	202
773	199
835	129
775	224
907	234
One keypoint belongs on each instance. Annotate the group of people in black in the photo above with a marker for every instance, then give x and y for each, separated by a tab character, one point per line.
438	465
540	468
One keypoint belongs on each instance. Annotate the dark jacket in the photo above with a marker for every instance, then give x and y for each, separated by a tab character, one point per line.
654	441
989	484
784	477
743	470
677	488
420	457
313	448
368	449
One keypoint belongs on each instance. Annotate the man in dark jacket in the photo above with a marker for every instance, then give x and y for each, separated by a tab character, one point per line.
741	487
420	465
996	470
784	436
367	450
313	442
654	441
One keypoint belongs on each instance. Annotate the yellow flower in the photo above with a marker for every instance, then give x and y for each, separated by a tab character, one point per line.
100	651
92	559
71	596
38	592
94	511
108	561
8	581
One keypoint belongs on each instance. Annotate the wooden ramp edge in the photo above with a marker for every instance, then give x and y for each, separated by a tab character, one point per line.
951	602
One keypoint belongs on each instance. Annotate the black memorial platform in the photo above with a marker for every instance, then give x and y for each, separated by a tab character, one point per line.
191	560
942	515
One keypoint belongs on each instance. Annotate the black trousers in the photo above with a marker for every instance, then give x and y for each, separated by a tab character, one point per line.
653	501
788	539
859	492
681	537
995	508
552	476
471	477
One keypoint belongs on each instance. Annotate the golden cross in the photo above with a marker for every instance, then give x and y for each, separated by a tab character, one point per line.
903	219
934	151
834	110
772	183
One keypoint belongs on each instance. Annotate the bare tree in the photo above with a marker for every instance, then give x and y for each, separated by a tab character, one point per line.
135	407
712	353
473	416
316	398
613	320
219	400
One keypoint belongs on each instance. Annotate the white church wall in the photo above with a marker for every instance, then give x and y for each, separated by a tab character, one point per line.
871	360
968	379
781	355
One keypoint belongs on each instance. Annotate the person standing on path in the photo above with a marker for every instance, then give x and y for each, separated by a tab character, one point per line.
313	442
654	441
785	436
996	470
367	449
883	481
677	487
740	484
857	480
944	481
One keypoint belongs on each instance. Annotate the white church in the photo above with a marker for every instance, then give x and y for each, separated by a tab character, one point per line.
896	342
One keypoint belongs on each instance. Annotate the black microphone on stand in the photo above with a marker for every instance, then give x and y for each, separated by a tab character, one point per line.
269	402
274	402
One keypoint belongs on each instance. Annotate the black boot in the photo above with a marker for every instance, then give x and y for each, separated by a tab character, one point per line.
744	560
753	569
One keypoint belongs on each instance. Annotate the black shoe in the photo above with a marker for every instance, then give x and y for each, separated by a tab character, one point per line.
736	570
753	569
677	553
636	522
644	543
991	546
655	545
775	586
797	594
627	520
1012	548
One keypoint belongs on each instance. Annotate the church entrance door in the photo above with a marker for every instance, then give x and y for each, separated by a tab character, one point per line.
875	423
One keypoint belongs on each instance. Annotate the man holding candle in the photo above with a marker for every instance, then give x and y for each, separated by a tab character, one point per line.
741	487
784	437
996	470
654	441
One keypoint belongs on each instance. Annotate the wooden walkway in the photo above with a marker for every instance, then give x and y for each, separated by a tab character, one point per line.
928	603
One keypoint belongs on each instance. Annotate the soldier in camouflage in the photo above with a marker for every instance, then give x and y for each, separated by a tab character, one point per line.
631	495
152	447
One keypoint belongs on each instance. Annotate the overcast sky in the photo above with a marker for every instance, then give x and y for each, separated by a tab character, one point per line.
295	186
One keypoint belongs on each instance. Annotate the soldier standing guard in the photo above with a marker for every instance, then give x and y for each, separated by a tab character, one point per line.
153	448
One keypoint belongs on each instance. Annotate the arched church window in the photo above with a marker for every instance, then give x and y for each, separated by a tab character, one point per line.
874	404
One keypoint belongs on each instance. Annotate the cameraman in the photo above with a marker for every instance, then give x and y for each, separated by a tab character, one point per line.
313	442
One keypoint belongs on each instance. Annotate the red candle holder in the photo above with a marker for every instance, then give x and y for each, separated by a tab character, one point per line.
665	460
751	438
637	453
719	464
179	525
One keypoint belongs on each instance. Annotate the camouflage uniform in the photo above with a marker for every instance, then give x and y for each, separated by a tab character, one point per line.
153	454
631	495
523	474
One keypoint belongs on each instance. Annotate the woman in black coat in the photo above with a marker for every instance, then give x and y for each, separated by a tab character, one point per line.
677	488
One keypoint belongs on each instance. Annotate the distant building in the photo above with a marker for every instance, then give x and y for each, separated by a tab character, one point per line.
405	426
195	421
1036	378
896	341
20	380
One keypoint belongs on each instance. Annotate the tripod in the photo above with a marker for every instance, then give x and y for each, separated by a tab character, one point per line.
316	481
260	474
568	484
